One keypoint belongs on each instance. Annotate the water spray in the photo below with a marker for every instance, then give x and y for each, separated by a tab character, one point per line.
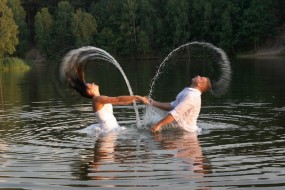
78	58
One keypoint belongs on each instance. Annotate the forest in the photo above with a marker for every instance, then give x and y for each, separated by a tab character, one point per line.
136	27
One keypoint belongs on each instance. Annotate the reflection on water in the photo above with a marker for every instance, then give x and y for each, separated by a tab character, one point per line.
99	165
241	145
133	161
10	90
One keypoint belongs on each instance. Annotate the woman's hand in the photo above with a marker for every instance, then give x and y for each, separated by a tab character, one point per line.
150	100
143	99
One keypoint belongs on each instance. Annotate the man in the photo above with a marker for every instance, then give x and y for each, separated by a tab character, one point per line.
186	108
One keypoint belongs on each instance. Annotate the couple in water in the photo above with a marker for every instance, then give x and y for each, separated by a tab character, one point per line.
184	110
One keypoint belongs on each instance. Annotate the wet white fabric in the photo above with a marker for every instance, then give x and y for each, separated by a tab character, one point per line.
187	108
106	119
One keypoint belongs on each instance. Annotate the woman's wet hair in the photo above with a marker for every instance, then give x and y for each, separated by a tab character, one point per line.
73	74
78	85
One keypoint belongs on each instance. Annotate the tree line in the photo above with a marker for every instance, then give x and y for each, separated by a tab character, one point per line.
128	27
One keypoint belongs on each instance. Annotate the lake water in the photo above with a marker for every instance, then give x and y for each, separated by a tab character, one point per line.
242	145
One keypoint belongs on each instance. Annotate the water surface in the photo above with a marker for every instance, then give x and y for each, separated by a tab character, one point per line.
242	145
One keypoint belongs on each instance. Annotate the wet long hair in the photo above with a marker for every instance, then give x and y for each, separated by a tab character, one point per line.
74	76
79	85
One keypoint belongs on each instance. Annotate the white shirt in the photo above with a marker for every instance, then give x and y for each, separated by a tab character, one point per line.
187	108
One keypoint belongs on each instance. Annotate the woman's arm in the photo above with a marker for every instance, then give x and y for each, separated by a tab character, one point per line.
125	100
120	100
99	101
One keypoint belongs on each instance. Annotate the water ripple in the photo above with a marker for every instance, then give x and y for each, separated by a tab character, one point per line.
40	149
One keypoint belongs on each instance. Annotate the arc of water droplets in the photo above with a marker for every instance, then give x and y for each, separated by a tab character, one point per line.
218	87
81	56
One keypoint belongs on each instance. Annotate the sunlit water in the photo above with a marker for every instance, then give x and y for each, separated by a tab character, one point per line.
242	145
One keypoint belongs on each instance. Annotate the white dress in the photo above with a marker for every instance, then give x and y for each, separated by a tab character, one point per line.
106	119
187	108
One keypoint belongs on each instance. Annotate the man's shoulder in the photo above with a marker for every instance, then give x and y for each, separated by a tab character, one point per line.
194	91
192	94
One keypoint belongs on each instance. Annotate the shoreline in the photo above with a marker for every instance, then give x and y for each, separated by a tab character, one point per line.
263	54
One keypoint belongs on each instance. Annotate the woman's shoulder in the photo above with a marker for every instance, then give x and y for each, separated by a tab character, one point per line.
99	98
98	103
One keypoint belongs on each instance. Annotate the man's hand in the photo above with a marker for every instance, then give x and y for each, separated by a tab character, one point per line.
155	128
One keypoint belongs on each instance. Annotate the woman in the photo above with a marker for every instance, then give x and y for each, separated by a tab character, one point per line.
102	105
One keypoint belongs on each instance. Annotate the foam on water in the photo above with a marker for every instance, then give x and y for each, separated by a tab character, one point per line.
95	130
153	115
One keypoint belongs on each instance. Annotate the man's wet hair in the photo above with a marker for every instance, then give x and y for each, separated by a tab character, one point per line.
209	84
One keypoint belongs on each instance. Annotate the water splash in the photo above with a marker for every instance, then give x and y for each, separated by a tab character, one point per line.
78	58
213	53
215	61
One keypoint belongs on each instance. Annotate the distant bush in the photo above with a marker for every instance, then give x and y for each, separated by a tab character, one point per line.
13	64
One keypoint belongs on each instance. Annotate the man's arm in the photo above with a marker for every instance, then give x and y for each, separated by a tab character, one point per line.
168	119
164	106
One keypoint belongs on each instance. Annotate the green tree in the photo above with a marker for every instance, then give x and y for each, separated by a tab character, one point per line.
226	35
177	17
207	20
146	20
143	45
107	14
19	17
83	27
128	26
161	27
197	19
107	40
258	21
8	30
63	36
134	26
43	30
235	10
